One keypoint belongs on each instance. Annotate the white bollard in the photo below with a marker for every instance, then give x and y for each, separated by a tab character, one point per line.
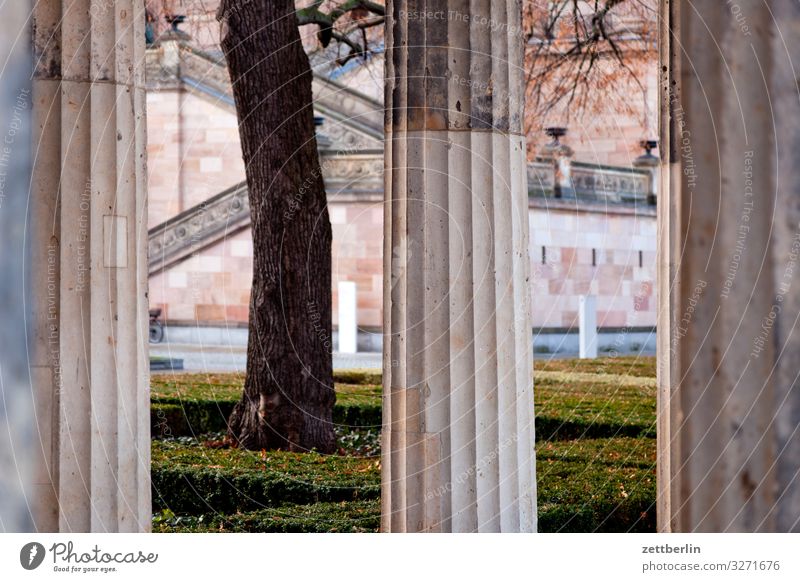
587	314
348	328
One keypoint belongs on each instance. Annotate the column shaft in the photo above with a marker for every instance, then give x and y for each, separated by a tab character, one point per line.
89	247
16	407
458	405
729	272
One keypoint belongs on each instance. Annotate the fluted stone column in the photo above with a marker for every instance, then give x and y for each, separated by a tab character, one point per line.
88	243
729	260
458	400
16	409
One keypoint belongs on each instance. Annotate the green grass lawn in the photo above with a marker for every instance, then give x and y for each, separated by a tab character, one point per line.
352	386
595	423
622	365
569	402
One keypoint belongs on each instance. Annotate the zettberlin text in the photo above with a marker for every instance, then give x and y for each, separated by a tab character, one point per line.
667	549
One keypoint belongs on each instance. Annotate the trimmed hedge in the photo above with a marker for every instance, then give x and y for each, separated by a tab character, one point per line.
195	404
174	418
604	485
569	404
223	386
358	376
343	517
350	385
193	418
193	479
549	429
358	415
188	418
604	481
587	485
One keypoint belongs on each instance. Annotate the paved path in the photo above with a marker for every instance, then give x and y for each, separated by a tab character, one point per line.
215	358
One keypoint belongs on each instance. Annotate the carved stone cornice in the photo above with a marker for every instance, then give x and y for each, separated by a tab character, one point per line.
610	184
360	173
592	183
345	134
198	227
353	120
541	179
352	166
358	176
347	176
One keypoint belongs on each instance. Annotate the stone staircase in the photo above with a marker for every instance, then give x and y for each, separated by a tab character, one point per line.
351	155
347	176
351	150
352	120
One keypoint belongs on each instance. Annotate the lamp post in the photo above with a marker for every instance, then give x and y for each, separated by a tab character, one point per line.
650	162
561	156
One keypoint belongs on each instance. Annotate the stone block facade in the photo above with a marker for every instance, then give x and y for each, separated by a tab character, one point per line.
213	286
193	151
609	253
599	240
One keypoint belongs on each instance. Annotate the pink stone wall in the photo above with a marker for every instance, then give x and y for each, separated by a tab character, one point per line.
213	287
624	290
193	152
163	155
358	256
210	288
608	136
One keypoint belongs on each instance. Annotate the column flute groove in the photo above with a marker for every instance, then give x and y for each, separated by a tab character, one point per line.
729	242
458	357
91	375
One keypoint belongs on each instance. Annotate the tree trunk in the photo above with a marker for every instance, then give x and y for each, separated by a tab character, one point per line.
288	395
